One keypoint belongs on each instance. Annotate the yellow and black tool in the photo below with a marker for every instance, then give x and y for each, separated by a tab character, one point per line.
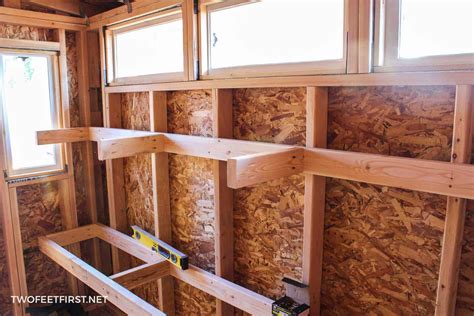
171	254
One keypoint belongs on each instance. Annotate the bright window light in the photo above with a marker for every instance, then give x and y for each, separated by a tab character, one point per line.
156	49
436	27
277	31
28	106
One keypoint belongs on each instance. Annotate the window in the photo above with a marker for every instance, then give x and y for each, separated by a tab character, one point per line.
29	104
244	38
426	34
146	50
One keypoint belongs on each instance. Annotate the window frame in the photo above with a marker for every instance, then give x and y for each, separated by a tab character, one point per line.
336	66
387	43
55	107
165	16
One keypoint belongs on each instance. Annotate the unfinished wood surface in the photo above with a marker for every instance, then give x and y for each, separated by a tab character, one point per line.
115	183
117	295
40	19
257	168
314	197
141	275
268	217
135	109
192	197
223	195
382	245
465	292
456	207
365	15
161	194
28	44
10	31
5	290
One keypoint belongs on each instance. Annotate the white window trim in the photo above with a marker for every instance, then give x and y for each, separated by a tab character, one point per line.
143	22
386	45
283	69
53	66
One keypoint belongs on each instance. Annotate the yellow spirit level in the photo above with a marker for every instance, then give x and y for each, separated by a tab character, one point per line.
171	254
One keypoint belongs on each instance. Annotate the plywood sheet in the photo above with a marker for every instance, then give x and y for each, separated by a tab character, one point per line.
25	32
382	245
192	197
268	218
40	215
138	179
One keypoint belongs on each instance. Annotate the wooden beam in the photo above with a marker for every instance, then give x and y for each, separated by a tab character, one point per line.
40	19
407	173
314	197
28	44
224	290
223	196
16	4
257	168
115	293
352	30
161	194
66	6
372	79
456	207
63	135
142	274
116	184
67	186
126	147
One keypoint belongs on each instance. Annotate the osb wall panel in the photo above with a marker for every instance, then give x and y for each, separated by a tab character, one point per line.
382	245
39	213
138	179
268	218
465	298
192	197
25	32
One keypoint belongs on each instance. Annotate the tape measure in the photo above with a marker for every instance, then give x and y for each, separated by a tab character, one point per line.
171	254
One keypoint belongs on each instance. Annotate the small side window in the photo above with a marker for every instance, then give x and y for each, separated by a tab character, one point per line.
29	104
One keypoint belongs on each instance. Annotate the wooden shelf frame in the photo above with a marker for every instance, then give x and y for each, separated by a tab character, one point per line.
155	267
250	163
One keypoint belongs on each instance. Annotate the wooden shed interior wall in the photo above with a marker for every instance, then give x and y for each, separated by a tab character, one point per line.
381	245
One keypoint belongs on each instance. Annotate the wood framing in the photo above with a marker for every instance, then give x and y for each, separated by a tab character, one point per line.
456	207
27	44
39	19
223	196
161	195
407	173
314	197
222	289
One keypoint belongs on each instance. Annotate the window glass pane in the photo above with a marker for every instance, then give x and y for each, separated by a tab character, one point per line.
277	31
436	27
28	108
150	50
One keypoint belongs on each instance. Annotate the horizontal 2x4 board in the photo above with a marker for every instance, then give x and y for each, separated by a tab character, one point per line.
407	173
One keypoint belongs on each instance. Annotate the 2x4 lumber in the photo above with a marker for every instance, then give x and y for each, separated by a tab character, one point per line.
125	147
40	19
75	235
161	194
116	294
116	183
121	14
142	274
352	25
257	168
12	4
67	186
314	197
224	290
372	79
365	35
407	173
18	247
223	196
456	207
28	44
63	135
85	119
66	6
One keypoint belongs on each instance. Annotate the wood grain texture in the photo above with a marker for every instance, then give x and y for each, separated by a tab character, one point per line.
382	245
